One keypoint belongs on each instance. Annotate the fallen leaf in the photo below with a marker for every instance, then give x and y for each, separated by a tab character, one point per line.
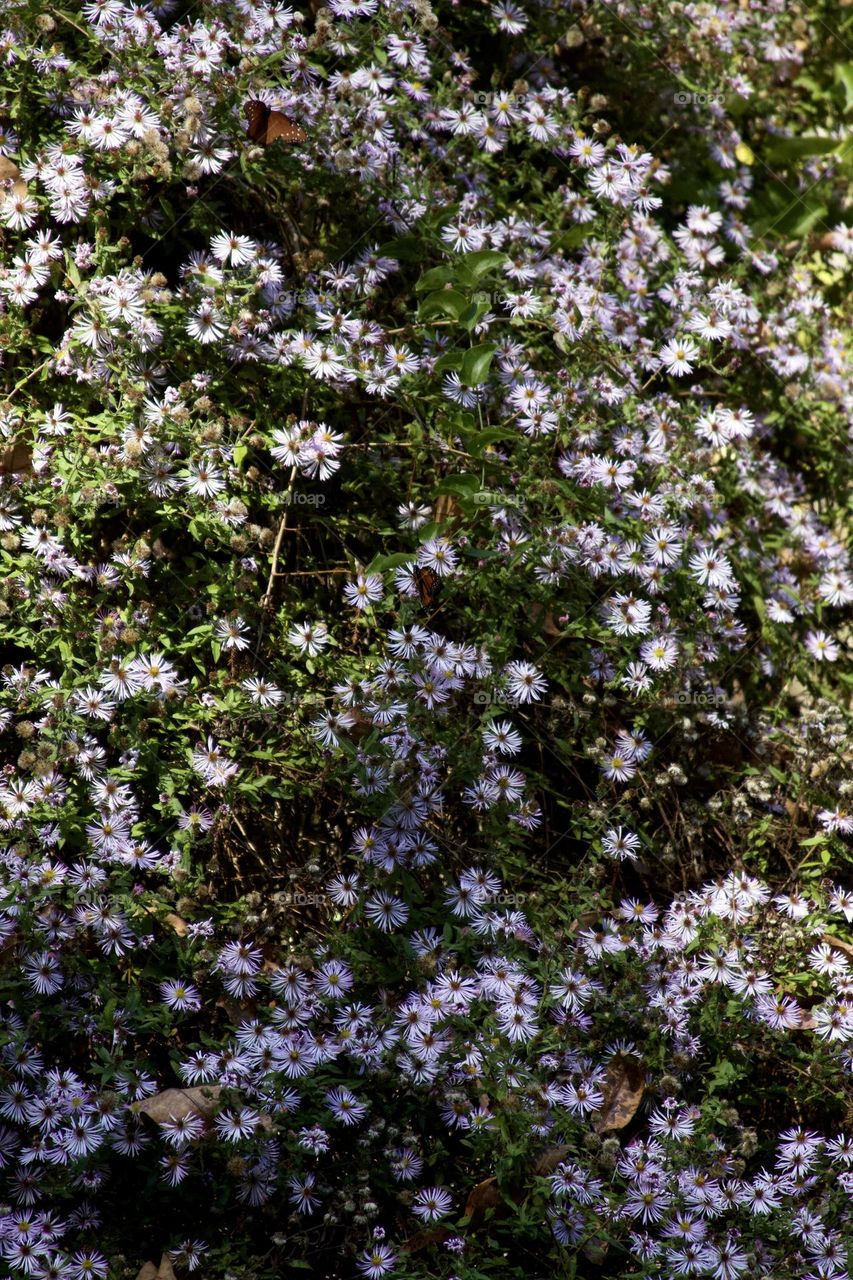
547	1161
446	508
199	1101
839	944
165	1271
625	1082
545	620
180	926
484	1196
423	1239
595	1251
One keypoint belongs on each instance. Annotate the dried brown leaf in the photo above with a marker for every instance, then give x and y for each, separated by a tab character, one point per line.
151	1271
423	1239
199	1101
447	508
547	1161
484	1196
174	921
623	1092
839	944
545	620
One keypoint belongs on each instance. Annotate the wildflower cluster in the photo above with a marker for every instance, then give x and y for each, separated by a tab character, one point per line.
424	732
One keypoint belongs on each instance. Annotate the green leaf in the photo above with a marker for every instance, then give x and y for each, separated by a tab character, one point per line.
445	302
436	278
409	248
491	435
450	360
573	237
724	1074
479	264
795	148
800	220
240	452
461	485
394	561
475	364
470	317
844	77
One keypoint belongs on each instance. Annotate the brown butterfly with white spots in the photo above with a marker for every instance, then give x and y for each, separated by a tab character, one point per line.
267	125
15	457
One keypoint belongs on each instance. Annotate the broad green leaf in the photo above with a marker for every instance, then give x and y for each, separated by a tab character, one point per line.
473	314
479	264
475	364
462	485
445	302
436	278
450	360
491	435
796	148
394	561
408	248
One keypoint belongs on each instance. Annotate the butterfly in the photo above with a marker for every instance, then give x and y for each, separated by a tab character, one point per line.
9	172
427	582
267	126
14	457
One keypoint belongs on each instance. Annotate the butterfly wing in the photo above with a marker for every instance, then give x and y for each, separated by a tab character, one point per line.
427	582
282	127
9	172
267	126
15	457
258	114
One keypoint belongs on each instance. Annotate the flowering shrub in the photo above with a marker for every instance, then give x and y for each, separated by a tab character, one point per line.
425	722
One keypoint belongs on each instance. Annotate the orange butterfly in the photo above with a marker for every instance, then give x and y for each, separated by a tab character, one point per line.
427	582
267	126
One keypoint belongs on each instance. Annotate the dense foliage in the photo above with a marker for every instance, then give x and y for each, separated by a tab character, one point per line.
425	691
